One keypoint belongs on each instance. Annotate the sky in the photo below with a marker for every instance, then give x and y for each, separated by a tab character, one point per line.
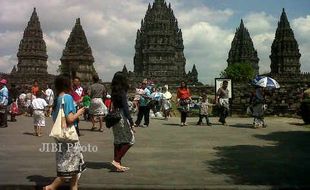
208	27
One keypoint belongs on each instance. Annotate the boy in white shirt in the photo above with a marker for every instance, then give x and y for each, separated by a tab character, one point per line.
38	105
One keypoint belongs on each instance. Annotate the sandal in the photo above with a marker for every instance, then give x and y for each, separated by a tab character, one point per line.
117	167
93	128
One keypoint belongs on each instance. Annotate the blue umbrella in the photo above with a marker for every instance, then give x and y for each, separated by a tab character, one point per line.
265	82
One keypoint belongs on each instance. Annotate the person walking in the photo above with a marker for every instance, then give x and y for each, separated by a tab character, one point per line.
38	105
49	97
4	95
77	95
258	101
69	158
123	131
144	108
97	107
222	99
203	110
184	99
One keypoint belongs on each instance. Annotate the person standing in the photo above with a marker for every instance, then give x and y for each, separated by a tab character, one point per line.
35	88
97	107
13	92
222	99
69	158
107	101
38	105
305	106
49	97
144	108
4	95
166	104
184	99
86	105
77	95
123	131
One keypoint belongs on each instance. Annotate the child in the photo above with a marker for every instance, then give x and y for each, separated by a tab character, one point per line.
203	110
86	103
38	104
107	101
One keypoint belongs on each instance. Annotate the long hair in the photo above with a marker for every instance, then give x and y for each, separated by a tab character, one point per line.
119	86
62	83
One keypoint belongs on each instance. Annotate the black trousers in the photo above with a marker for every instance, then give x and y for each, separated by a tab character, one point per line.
203	116
183	117
143	111
3	117
223	114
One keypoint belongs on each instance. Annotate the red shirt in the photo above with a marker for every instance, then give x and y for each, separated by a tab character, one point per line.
183	93
35	90
107	103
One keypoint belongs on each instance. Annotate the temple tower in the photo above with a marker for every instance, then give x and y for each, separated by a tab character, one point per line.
77	59
32	56
242	49
284	50
159	46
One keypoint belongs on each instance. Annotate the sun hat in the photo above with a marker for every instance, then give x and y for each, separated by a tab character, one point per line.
3	81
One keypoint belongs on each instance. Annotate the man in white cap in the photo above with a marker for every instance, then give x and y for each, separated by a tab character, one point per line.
4	95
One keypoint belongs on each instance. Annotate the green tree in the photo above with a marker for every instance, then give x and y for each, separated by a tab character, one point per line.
239	72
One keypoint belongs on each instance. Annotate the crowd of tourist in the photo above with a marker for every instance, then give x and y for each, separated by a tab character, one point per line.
94	103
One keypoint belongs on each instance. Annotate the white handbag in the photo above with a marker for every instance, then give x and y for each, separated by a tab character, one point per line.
61	131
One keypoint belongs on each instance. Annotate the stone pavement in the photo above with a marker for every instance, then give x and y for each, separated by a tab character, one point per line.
167	156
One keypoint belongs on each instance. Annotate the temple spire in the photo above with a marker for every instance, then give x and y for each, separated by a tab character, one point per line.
159	46
242	48
284	50
77	58
125	71
32	54
194	70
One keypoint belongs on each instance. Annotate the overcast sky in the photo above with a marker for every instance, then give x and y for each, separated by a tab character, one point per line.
208	28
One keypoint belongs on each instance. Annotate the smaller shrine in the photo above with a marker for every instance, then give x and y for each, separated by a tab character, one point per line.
77	59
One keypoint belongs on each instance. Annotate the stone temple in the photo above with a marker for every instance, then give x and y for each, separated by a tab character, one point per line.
159	48
242	49
32	56
77	59
284	50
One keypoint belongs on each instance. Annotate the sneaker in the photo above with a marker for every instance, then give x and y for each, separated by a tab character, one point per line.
185	124
182	124
144	126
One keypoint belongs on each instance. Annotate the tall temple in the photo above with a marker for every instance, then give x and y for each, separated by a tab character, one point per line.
242	49
159	47
284	50
77	59
32	56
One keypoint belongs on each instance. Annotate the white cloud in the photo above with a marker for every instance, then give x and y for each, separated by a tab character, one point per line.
207	46
111	25
301	27
260	22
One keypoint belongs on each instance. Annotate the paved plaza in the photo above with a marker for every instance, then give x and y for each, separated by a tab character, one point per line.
167	156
